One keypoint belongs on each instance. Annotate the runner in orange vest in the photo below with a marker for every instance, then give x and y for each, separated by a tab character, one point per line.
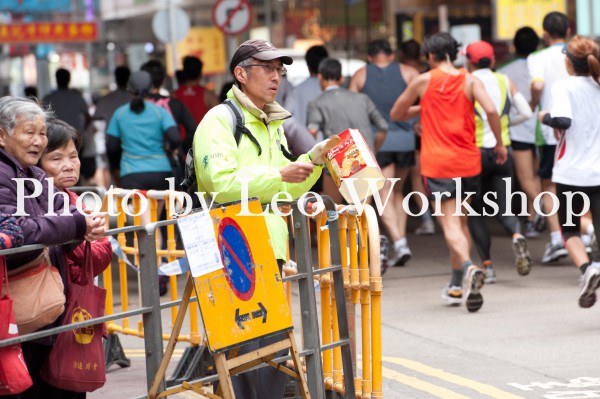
448	152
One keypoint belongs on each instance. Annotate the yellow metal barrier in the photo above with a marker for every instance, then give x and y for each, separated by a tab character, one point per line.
135	202
359	240
359	243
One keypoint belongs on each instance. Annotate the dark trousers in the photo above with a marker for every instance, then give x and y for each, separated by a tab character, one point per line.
491	180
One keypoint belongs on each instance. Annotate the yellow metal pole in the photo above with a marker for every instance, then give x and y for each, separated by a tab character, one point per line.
338	375
324	262
354	276
376	291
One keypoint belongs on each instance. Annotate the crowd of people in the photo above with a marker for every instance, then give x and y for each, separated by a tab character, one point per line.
441	129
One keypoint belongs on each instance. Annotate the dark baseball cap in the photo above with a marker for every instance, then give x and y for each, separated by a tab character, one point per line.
259	49
139	81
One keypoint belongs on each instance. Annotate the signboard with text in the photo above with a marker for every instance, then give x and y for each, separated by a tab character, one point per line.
49	32
514	14
243	299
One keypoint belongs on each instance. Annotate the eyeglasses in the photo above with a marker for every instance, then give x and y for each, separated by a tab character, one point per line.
270	68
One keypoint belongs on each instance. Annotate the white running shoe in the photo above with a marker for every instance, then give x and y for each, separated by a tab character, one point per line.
589	284
402	254
552	253
452	296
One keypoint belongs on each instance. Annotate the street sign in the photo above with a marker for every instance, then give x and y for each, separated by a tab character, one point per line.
243	300
161	25
232	16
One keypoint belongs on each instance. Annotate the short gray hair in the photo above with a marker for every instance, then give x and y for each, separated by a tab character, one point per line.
245	63
13	108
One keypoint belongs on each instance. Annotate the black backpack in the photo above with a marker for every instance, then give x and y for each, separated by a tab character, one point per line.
190	184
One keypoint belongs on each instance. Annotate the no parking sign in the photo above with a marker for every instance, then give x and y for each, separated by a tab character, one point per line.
242	297
232	16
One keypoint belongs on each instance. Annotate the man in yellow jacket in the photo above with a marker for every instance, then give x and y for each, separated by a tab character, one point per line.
258	165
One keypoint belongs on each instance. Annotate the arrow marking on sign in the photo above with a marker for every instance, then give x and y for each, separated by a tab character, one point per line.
241	318
231	13
262	312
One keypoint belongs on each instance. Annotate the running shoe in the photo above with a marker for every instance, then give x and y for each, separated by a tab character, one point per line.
529	230
539	222
589	285
474	280
490	275
552	253
427	228
402	254
522	257
452	296
383	250
595	254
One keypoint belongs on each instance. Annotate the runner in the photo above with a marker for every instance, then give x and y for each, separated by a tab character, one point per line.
547	67
574	116
496	178
523	136
449	151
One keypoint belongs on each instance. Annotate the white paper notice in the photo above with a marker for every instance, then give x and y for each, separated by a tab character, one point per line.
200	244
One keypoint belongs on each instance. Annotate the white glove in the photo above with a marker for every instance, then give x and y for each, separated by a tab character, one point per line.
318	152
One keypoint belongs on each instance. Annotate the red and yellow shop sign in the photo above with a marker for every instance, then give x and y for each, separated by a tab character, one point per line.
49	32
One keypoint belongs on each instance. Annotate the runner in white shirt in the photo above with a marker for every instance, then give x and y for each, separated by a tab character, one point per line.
574	116
523	136
547	67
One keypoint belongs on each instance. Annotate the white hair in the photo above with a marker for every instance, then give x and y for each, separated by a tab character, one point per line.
13	108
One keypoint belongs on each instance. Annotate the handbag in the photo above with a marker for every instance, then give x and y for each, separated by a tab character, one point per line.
37	293
76	362
14	376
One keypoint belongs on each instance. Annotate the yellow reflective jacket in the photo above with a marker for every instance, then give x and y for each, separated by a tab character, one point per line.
221	164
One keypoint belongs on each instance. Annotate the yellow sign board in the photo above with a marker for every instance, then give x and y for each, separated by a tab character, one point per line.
244	300
208	44
514	14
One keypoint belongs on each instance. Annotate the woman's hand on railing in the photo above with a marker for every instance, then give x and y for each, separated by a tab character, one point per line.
96	226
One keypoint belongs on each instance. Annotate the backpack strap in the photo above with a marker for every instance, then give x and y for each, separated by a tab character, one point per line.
240	128
290	157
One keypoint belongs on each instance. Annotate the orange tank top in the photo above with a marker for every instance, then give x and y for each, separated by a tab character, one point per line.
448	146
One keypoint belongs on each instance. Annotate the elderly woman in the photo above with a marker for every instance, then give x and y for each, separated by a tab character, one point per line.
61	162
24	194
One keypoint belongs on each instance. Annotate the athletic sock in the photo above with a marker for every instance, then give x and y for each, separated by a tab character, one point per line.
584	267
556	238
427	216
587	239
400	243
465	265
487	263
456	278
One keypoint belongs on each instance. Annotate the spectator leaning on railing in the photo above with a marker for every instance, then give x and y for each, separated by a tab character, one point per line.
22	143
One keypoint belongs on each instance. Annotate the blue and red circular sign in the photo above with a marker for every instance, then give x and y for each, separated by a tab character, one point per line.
237	259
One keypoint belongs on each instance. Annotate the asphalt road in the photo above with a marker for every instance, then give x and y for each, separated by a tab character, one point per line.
529	340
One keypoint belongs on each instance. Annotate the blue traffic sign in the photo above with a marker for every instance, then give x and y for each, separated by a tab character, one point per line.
237	259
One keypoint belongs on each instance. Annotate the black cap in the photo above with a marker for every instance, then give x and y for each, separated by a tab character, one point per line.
139	81
259	49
